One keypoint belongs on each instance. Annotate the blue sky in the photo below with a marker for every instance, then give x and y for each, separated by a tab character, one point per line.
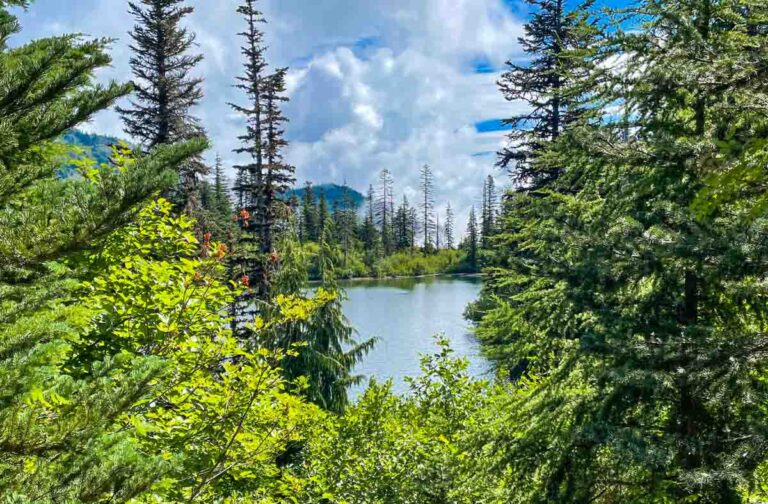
374	83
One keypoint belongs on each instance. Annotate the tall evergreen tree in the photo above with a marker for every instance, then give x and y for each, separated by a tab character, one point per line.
59	438
551	84
488	217
278	175
403	225
165	90
472	240
385	210
265	176
249	264
639	316
426	182
216	206
310	213
322	212
369	234
449	224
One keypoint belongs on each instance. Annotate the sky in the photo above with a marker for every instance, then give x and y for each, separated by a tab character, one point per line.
373	84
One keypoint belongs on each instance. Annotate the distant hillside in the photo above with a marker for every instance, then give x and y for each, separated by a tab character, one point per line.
334	193
97	146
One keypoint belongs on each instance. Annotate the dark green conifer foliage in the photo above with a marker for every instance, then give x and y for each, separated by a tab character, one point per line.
552	83
57	436
165	92
216	215
328	350
368	233
278	177
449	225
310	214
322	213
640	321
427	183
385	210
472	240
264	177
488	218
404	226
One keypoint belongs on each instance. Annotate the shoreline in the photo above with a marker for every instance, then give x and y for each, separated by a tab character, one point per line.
406	277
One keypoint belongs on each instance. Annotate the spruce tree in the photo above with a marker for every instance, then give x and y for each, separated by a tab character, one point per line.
369	235
310	213
426	182
472	240
551	83
403	226
322	212
165	91
637	317
59	439
488	218
265	175
278	175
385	210
216	206
449	224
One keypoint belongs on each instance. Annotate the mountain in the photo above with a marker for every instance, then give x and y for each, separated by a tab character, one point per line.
98	147
334	193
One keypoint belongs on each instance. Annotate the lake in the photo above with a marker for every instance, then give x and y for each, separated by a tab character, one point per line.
405	314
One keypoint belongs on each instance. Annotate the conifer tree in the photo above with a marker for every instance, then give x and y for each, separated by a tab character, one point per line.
310	213
488	218
322	212
249	265
216	212
472	240
638	314
165	92
58	436
345	221
369	234
403	226
426	182
385	210
551	83
278	176
449	223
265	176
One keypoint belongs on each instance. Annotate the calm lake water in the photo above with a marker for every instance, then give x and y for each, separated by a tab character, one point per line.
405	314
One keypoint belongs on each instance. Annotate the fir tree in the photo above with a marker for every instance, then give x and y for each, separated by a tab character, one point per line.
310	213
59	438
249	265
426	182
368	233
165	92
385	210
551	83
322	212
403	225
637	313
278	176
472	240
265	176
488	218
216	213
449	223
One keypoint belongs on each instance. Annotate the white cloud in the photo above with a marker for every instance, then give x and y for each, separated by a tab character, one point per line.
406	97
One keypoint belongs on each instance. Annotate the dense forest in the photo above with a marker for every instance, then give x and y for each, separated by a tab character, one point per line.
160	340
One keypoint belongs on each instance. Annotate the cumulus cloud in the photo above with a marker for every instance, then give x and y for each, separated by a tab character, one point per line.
374	84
